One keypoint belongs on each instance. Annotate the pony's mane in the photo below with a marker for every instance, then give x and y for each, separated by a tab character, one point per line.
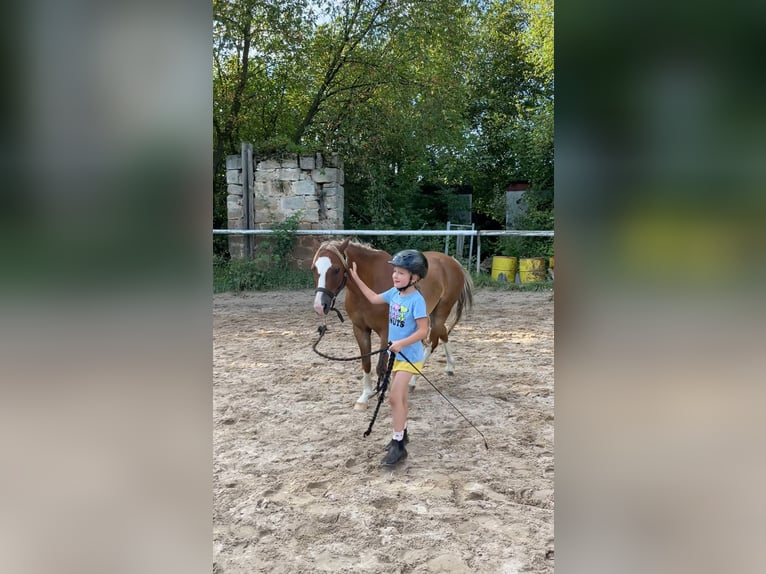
333	245
365	246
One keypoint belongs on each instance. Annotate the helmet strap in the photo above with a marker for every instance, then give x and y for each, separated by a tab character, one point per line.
410	284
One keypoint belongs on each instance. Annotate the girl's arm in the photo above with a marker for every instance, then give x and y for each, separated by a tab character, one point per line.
419	335
372	297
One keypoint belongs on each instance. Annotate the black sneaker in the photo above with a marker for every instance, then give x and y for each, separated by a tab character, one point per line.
396	453
406	440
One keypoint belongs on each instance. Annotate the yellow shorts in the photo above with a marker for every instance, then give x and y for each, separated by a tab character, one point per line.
405	366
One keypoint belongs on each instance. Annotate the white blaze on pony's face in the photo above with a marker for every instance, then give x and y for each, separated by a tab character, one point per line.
322	265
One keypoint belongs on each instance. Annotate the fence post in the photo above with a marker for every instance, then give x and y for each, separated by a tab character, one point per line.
478	252
470	248
247	196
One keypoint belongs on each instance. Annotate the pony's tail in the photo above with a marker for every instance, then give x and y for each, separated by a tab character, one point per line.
465	301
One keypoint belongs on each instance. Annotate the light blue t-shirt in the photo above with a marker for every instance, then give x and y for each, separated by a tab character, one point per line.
403	312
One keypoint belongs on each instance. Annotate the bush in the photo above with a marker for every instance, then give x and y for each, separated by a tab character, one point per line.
250	275
269	268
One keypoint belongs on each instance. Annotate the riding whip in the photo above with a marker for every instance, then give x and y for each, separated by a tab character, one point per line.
445	398
382	390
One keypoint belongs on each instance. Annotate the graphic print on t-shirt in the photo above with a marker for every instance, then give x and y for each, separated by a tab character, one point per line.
397	313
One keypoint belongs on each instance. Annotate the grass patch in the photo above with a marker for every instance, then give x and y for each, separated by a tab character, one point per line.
239	275
485	280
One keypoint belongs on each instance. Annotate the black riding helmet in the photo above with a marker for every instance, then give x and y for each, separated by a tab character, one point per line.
411	260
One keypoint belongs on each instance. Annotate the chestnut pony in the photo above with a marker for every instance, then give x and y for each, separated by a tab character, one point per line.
446	285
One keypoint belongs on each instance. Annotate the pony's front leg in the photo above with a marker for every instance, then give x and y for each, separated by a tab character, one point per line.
367	392
365	345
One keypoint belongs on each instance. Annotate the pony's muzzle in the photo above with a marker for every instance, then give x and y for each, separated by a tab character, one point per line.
322	304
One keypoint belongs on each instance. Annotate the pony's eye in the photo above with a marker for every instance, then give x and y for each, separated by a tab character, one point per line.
336	270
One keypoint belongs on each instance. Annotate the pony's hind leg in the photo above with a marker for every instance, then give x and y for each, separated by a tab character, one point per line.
450	360
438	332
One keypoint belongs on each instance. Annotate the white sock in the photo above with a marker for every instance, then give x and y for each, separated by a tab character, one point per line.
398	435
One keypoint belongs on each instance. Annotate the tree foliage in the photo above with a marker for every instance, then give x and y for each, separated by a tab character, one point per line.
421	99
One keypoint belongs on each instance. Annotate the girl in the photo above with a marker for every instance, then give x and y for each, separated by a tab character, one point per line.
408	326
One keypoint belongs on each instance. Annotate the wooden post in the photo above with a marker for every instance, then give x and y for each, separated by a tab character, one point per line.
247	196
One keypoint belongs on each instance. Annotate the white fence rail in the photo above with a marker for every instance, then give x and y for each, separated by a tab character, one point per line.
478	233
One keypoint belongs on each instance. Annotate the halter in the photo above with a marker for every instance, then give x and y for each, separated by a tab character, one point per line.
334	294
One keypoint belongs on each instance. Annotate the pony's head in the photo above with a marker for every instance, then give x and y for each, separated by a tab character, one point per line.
329	268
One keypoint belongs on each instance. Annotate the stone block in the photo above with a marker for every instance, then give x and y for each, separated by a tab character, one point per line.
233	176
261	188
319	161
311	217
303	252
266	175
291	203
234	189
268	164
305	187
271	188
325	175
234	162
262	216
261	202
290	163
235	223
289	174
307	162
331	202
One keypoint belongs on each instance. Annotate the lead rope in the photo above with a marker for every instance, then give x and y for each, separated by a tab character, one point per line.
322	329
445	398
381	388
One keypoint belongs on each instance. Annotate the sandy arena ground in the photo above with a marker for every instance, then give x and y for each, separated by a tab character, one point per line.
298	489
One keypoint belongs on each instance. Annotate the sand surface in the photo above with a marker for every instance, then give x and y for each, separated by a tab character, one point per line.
299	489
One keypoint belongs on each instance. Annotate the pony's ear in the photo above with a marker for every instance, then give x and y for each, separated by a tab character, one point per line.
342	246
316	243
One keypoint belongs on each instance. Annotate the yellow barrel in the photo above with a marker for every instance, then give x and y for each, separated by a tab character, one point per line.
532	269
504	268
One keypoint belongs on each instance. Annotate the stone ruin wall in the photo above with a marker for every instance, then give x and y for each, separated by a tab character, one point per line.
282	186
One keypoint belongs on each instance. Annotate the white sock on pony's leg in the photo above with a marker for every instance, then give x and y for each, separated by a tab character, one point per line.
361	402
450	360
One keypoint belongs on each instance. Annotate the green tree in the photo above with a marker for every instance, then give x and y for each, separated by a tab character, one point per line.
512	102
419	98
